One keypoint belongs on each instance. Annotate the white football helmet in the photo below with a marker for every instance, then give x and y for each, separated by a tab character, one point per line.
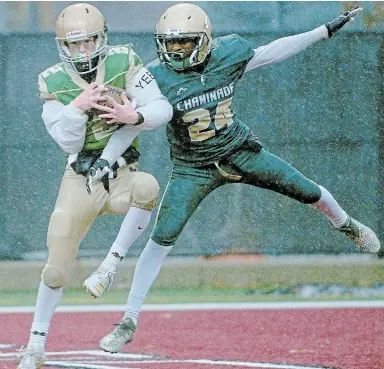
184	21
80	22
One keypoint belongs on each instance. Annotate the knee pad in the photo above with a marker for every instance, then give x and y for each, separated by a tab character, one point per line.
145	191
53	276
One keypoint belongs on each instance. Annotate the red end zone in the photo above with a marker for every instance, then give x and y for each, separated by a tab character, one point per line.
281	339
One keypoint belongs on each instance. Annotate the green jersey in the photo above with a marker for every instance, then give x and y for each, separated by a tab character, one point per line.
55	83
204	127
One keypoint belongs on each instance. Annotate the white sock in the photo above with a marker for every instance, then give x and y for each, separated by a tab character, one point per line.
134	224
332	210
147	268
113	258
46	303
134	303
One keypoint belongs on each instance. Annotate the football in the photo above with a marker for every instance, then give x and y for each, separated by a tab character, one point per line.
114	92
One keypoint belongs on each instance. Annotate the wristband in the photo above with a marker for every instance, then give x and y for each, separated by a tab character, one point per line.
140	119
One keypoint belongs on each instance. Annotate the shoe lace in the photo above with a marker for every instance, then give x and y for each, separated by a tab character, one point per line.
105	274
22	352
122	328
351	230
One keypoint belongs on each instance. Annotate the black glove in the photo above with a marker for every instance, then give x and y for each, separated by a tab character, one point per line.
380	253
341	20
99	170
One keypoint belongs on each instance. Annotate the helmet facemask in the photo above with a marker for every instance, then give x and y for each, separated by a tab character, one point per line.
83	62
183	59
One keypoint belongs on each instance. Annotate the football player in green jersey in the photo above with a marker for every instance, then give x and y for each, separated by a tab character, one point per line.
210	146
73	92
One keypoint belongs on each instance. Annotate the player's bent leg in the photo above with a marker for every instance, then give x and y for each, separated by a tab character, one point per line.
268	171
65	232
185	190
136	194
74	213
146	271
131	188
271	172
134	224
62	246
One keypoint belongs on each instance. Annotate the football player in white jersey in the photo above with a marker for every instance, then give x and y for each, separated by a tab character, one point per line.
101	154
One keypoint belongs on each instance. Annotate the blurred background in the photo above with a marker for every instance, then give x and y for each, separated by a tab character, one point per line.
321	110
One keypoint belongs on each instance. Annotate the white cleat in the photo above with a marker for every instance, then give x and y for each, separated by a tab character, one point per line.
122	334
31	359
99	281
361	235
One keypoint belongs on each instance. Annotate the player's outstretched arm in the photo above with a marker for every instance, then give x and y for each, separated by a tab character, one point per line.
340	21
286	47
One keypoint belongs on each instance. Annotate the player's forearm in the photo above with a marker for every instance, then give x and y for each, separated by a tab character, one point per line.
119	143
156	113
154	107
286	47
66	125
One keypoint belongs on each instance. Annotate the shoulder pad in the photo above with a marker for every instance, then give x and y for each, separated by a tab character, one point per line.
52	70
49	73
234	47
154	63
120	49
127	49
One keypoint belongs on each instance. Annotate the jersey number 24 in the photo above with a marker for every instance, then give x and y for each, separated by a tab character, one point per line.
222	118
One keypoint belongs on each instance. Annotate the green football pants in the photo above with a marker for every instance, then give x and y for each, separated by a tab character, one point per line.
188	186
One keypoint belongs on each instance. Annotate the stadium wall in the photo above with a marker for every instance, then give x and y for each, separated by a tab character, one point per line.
320	110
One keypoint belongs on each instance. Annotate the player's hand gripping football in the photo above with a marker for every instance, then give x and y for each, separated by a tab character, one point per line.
100	170
334	25
90	97
119	113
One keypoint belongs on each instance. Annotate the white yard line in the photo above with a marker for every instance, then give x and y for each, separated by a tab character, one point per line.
199	361
62	364
208	306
